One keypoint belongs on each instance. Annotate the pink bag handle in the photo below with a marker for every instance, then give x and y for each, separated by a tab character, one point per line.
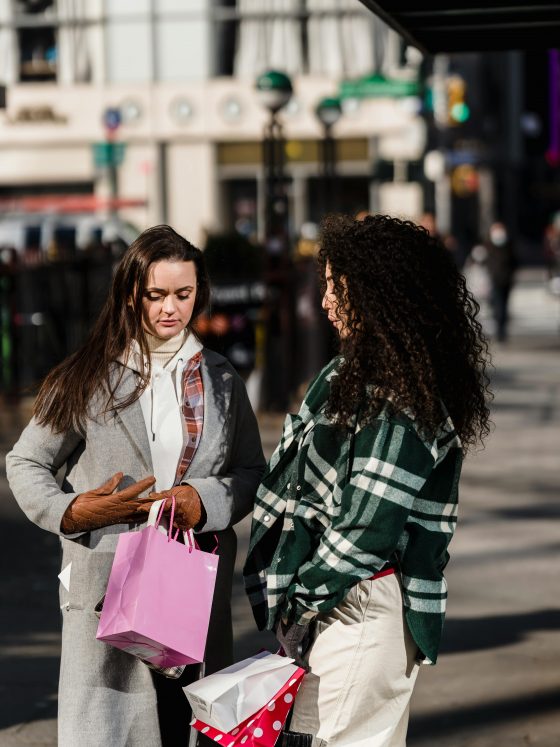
214	551
193	544
160	514
189	535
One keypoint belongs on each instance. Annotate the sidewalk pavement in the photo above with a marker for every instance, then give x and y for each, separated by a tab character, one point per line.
497	682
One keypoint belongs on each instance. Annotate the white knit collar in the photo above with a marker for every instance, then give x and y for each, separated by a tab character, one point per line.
134	359
188	349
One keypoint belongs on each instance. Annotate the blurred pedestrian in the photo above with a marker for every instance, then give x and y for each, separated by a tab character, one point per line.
476	273
501	263
551	247
141	396
359	502
428	221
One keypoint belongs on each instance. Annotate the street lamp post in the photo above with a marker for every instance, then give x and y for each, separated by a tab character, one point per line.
328	112
274	90
112	121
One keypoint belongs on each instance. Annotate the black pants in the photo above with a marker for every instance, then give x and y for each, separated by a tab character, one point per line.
500	300
174	711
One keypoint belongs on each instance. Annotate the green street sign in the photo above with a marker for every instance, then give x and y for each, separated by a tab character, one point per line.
108	154
378	86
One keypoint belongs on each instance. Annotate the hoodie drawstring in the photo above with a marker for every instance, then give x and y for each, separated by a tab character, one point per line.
154	392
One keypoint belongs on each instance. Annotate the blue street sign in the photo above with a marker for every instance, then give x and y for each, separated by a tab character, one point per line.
112	118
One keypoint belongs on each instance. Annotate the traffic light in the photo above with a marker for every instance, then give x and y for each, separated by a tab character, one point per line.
458	110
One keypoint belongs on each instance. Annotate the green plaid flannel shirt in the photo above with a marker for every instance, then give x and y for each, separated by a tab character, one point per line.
333	508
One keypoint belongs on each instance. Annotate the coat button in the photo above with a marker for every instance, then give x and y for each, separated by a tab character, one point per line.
298	487
266	518
289	485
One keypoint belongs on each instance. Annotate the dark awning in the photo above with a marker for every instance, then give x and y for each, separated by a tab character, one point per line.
461	26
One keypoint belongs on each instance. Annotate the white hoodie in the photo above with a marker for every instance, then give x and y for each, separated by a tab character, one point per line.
161	404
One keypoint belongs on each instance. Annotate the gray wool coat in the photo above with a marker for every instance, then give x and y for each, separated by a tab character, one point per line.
107	697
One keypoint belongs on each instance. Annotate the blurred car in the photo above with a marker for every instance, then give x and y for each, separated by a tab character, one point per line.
55	235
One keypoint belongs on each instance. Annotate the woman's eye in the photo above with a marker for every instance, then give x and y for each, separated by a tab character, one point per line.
184	298
152	296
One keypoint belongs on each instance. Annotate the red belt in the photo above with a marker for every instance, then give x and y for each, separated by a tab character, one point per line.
385	572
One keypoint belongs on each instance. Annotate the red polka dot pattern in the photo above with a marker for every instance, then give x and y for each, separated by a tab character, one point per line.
263	728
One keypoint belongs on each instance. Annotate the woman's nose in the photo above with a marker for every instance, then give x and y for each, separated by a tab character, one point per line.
168	305
325	303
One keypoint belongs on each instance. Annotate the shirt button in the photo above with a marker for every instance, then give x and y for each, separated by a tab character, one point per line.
266	518
193	439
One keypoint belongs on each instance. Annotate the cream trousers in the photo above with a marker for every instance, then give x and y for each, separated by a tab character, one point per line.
362	671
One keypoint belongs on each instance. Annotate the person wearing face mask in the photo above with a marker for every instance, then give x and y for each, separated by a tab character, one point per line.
355	512
501	263
141	406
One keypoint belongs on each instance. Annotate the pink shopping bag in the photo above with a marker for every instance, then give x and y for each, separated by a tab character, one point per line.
159	597
263	728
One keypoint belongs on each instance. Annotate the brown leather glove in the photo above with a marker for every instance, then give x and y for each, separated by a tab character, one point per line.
103	506
189	511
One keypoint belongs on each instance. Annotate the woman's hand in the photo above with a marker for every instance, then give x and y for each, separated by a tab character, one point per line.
105	506
296	641
189	511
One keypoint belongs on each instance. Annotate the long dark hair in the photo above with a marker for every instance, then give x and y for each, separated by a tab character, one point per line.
415	339
68	390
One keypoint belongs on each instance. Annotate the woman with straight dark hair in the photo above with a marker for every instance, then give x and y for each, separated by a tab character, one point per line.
140	406
358	505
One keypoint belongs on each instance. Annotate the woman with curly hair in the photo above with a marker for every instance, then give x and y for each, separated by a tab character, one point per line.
359	501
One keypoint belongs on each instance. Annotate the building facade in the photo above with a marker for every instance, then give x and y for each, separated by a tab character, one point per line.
182	75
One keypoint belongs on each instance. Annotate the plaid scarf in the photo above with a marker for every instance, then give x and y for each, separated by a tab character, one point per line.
193	413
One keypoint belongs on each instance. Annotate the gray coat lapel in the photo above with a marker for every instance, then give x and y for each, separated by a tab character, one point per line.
133	420
217	382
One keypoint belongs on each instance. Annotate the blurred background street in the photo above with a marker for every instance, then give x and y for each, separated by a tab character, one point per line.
241	124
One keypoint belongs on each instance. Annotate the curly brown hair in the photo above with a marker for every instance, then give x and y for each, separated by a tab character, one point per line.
414	338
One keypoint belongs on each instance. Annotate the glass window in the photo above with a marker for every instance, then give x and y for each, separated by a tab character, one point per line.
180	6
37	54
65	240
322	37
33	6
129	51
225	33
116	8
182	49
32	237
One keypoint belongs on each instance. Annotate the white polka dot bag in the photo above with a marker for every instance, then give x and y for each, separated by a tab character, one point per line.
224	703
